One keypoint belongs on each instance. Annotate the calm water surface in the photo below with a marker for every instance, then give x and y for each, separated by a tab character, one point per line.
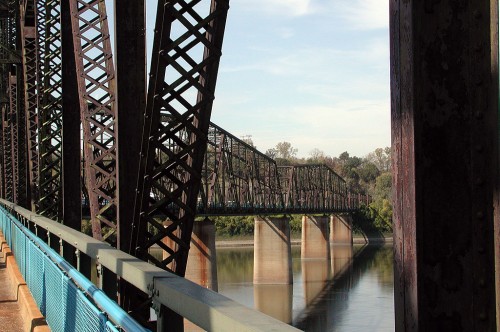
353	291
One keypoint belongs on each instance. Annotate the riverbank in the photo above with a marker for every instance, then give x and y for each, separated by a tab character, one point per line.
242	242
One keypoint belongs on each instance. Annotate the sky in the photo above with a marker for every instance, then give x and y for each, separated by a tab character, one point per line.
314	73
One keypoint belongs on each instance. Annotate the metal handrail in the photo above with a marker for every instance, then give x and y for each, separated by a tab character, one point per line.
112	309
205	308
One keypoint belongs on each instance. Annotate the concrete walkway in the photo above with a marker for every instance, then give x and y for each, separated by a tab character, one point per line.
10	311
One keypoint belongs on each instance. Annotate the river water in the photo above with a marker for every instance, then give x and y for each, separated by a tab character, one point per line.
352	291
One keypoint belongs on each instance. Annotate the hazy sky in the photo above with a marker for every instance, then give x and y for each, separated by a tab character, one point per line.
314	73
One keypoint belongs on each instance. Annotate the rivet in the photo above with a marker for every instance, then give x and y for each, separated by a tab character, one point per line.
482	316
480	250
479	181
477	14
479	148
478	115
482	282
480	215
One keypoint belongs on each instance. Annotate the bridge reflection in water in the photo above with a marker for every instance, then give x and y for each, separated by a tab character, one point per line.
327	295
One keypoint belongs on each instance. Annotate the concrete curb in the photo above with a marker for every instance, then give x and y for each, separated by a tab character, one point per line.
32	318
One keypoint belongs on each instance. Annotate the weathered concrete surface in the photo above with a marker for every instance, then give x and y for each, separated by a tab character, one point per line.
340	229
315	242
272	251
202	262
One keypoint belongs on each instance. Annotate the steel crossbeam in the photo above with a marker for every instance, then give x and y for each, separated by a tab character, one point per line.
95	74
50	111
186	51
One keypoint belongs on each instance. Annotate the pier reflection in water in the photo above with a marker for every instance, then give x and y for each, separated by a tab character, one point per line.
351	292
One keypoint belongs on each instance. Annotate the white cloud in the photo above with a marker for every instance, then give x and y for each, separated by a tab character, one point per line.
291	8
365	14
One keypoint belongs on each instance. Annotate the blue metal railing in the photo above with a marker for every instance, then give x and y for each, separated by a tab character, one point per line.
68	300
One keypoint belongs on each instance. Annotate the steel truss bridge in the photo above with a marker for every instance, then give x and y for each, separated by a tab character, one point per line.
148	155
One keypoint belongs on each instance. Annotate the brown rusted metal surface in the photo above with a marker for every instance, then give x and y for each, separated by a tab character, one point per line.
444	96
71	162
29	61
186	51
95	74
50	108
12	121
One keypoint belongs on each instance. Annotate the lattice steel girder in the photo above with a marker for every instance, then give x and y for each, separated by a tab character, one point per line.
313	188
30	51
95	74
185	60
13	128
237	178
50	111
7	155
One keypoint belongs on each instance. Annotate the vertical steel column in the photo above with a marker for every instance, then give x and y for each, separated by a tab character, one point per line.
130	104
71	149
7	156
444	86
29	122
50	111
13	128
95	76
185	95
130	57
23	192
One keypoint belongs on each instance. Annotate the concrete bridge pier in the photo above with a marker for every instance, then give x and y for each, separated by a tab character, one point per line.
202	261
340	229
315	242
272	251
201	266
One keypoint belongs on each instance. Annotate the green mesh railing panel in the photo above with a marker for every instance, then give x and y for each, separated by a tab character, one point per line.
64	305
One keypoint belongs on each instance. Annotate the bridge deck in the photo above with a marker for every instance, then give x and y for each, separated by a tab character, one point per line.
10	311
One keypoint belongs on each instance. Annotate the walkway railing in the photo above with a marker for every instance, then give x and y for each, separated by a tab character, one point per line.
207	309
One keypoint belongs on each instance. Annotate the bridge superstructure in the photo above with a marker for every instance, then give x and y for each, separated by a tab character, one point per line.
148	155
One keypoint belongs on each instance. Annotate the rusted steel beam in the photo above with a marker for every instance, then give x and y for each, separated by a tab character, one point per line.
130	104
29	50
7	156
130	55
71	145
313	188
237	178
12	124
444	91
95	75
182	86
50	109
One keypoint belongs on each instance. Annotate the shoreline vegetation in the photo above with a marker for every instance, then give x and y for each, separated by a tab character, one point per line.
245	241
